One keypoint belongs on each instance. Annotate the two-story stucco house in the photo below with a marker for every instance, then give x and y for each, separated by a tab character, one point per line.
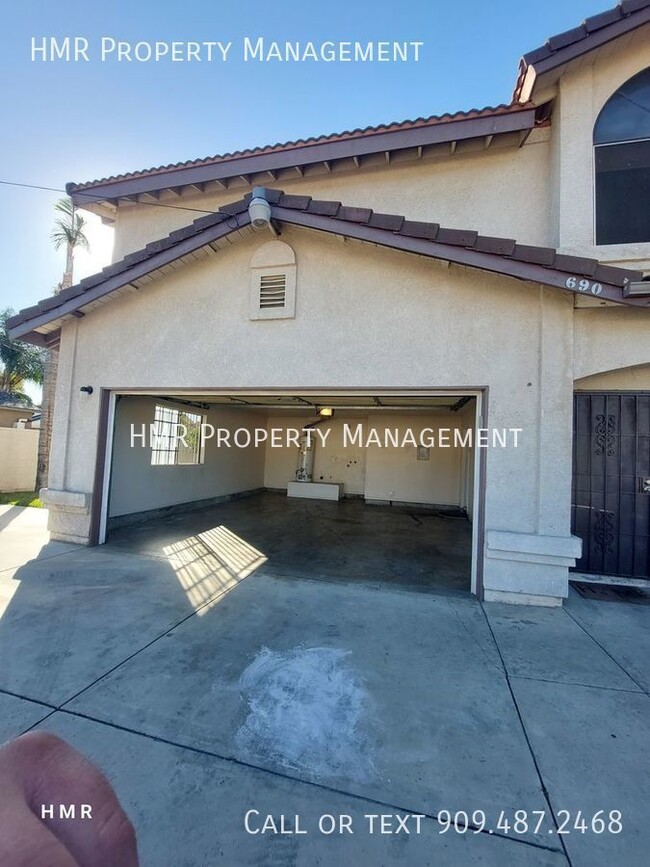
483	270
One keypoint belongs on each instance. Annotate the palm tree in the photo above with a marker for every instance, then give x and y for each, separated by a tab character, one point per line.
20	362
69	232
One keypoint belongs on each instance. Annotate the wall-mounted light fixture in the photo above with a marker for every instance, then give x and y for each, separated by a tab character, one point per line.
259	209
326	411
87	388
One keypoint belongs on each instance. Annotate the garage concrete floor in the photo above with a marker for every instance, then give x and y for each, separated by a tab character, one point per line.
206	685
380	546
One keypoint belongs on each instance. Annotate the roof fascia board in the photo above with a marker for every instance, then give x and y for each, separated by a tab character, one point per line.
450	253
476	127
189	245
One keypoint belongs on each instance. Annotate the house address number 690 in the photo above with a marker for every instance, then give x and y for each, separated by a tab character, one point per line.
583	285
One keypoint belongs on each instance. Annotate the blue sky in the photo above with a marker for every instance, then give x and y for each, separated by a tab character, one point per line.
63	122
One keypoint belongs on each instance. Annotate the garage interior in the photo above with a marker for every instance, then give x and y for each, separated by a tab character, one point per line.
400	515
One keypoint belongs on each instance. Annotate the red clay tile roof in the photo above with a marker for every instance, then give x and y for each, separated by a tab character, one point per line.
395	126
593	32
466	247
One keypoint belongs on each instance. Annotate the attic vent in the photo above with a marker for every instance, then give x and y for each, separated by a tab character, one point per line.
273	282
273	291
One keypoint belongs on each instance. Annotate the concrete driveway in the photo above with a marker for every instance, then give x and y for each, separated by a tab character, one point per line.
206	686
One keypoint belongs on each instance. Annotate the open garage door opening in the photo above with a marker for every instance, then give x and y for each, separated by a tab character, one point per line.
373	488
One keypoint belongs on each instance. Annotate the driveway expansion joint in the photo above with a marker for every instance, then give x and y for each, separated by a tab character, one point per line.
288	777
538	770
40	560
605	651
580	685
144	647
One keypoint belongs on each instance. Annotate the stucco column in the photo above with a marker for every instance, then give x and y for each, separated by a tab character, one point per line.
555	413
61	414
532	567
69	510
575	191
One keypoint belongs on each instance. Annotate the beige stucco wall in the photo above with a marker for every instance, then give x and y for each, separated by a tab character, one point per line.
365	318
636	378
583	91
138	486
9	416
609	338
18	455
458	191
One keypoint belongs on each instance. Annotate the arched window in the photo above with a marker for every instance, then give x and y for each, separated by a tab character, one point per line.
622	151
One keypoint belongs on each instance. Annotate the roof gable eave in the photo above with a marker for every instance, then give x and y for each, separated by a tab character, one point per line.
354	145
596	31
543	265
132	267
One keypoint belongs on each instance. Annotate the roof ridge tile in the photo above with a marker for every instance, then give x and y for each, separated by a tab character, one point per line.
457	237
561	40
420	229
603	19
534	255
630	6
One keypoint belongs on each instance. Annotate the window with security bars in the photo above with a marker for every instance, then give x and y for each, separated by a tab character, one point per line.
176	437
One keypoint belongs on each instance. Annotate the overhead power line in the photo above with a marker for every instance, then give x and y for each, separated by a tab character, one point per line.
82	193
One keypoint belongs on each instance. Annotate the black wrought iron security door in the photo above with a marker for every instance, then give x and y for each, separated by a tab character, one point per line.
610	504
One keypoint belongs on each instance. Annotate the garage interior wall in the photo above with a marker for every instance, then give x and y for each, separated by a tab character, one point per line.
137	486
396	474
379	473
383	474
332	462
